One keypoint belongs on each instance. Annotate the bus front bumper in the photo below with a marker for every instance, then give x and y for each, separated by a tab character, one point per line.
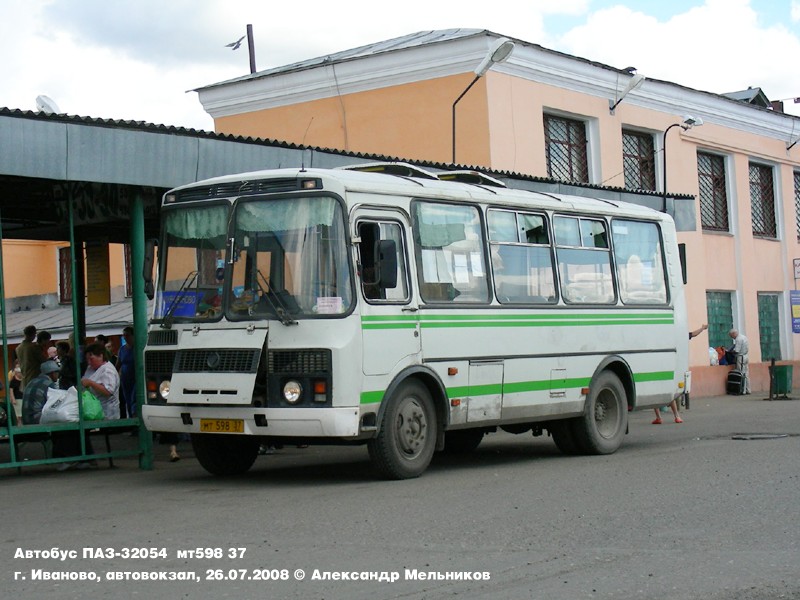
342	423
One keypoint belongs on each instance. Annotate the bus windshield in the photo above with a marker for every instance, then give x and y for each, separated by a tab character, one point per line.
269	259
289	259
193	261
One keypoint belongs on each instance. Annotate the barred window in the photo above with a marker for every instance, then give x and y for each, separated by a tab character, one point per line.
797	202
638	160
769	326
565	148
720	318
762	201
713	192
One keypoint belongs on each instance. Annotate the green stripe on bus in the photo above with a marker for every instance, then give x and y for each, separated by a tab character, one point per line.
515	320
544	385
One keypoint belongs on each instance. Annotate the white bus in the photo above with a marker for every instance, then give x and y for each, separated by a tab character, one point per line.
408	311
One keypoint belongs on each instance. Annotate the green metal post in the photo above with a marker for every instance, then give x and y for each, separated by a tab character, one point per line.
140	324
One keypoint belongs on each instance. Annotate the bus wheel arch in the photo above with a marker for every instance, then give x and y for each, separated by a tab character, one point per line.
409	427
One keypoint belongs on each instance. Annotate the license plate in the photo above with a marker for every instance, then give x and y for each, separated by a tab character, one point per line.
222	425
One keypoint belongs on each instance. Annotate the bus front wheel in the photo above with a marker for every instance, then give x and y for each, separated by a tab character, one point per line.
221	454
406	441
604	421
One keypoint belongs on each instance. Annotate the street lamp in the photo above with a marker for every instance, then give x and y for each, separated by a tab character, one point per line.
688	122
499	52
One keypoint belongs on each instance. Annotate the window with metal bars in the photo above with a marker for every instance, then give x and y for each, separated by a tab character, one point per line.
713	192
638	160
762	201
720	318
769	327
797	202
565	148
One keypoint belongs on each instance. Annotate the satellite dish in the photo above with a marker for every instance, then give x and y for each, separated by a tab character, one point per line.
46	104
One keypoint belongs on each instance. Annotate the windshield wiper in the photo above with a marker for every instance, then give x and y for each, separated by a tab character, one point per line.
166	322
277	305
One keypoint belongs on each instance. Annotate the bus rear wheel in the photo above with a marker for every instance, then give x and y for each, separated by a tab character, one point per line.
221	454
601	428
406	441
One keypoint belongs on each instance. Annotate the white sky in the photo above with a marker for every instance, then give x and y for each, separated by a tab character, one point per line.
135	59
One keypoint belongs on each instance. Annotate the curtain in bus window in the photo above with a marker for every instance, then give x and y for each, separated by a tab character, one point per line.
640	264
450	253
197	223
310	233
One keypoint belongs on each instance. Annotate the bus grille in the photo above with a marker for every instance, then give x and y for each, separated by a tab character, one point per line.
218	361
160	361
165	337
300	361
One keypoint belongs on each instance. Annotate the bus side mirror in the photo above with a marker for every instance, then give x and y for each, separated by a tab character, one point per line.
387	264
682	256
147	267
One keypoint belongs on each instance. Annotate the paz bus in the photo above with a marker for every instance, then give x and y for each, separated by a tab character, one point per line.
408	311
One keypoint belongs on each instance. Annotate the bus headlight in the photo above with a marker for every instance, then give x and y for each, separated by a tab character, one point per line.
163	389
292	390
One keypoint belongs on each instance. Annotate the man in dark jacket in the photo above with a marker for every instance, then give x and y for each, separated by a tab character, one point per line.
35	395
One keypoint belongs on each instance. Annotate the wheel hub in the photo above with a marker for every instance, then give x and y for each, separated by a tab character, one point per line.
411	428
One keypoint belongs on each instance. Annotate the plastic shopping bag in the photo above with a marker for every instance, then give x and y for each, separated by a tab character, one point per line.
91	407
61	406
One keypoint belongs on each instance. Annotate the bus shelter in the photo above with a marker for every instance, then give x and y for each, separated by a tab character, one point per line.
89	181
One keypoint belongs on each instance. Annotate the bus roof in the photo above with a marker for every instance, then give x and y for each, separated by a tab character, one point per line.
414	182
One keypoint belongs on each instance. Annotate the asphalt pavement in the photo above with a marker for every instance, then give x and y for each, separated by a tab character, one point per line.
703	509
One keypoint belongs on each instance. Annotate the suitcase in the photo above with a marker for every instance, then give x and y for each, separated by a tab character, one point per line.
735	383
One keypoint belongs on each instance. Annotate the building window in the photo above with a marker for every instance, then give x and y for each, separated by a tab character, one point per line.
65	275
565	147
128	278
720	318
797	202
762	201
713	192
638	160
769	327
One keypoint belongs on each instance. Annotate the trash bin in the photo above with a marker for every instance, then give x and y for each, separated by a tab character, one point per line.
783	379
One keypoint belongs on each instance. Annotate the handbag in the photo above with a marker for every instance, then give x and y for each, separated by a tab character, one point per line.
91	407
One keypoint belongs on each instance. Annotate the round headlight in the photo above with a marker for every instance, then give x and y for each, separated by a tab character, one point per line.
163	389
292	390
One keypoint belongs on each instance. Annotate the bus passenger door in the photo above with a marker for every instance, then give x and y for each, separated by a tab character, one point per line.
389	321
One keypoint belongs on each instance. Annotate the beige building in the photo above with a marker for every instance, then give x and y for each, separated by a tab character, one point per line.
547	114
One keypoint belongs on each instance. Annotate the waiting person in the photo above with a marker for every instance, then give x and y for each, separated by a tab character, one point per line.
43	341
29	355
68	375
35	395
15	392
126	365
674	404
102	379
103	339
741	350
